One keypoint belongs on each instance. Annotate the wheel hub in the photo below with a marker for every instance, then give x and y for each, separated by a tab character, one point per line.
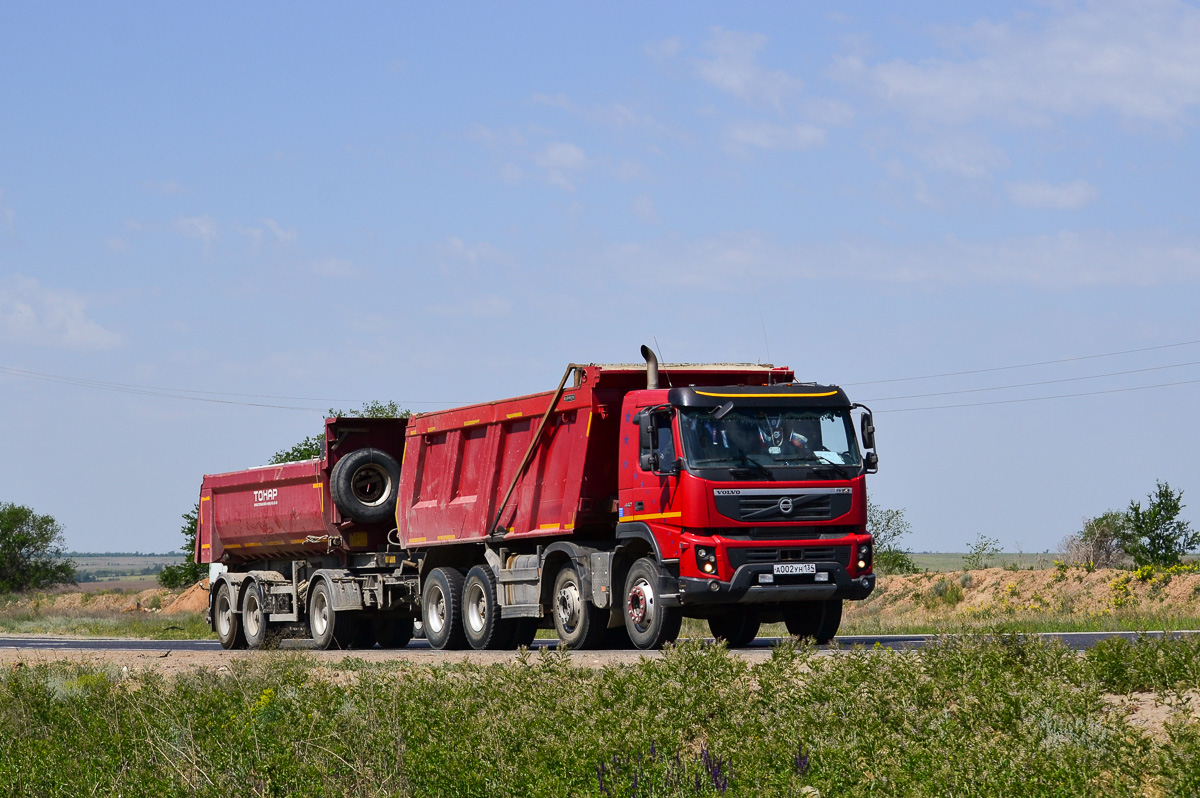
568	607
638	604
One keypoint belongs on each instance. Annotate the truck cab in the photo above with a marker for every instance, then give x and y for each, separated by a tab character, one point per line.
750	495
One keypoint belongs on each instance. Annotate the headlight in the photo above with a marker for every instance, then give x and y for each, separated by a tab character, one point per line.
706	559
864	557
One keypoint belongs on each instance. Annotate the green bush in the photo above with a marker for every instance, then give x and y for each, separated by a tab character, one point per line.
969	715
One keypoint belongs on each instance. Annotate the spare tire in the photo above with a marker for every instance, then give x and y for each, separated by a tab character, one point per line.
364	484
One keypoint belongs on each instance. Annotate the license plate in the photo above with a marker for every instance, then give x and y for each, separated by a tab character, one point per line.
795	568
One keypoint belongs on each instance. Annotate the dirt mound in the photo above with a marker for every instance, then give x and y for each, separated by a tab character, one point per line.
194	599
999	593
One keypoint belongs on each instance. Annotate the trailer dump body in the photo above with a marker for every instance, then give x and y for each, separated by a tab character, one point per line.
607	509
287	510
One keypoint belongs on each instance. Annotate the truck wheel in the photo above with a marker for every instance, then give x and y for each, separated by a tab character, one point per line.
482	624
226	623
579	623
255	626
737	629
649	623
818	620
363	485
440	610
392	631
329	629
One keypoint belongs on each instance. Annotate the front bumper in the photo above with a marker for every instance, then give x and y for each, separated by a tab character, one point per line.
745	588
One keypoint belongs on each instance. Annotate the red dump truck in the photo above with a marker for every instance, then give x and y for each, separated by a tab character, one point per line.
608	510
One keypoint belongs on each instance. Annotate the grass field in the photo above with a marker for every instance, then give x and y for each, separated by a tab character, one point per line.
997	717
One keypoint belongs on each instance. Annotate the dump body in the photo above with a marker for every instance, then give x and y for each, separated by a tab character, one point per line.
459	464
286	510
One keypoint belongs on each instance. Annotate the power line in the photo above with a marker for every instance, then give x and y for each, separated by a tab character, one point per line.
1042	398
1032	384
182	393
1023	365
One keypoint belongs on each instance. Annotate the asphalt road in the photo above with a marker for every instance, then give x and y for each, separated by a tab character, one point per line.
1075	640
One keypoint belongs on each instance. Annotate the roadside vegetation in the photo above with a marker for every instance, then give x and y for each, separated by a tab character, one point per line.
968	716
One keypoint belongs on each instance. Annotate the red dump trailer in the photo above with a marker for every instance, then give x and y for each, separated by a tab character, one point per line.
609	509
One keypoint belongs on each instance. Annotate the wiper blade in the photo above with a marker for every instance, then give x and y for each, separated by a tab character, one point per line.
753	467
838	467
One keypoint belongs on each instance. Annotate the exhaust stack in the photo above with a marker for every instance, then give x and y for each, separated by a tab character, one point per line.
651	367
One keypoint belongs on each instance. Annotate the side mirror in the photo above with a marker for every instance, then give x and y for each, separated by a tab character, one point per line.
648	461
647	432
871	461
868	431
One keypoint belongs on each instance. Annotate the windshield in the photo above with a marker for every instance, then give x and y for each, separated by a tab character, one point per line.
765	439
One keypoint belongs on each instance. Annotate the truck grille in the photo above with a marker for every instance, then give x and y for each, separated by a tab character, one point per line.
782	504
739	555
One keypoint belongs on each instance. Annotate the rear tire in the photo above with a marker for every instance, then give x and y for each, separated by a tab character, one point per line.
737	629
255	625
226	623
580	623
482	624
650	625
329	628
815	620
441	610
364	484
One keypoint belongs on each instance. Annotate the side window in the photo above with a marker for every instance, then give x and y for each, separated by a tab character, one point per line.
666	443
665	450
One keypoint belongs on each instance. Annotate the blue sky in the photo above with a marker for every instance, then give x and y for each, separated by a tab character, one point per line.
447	204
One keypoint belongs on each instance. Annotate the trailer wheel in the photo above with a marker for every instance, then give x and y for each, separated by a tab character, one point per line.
392	631
363	485
482	624
227	624
649	623
818	620
737	629
255	625
329	628
579	623
440	610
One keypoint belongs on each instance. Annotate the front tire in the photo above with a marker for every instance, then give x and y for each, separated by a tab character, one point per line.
649	623
816	620
737	629
329	628
580	623
226	622
441	611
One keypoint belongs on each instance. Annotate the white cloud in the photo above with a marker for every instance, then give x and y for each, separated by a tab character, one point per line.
31	314
667	48
1065	260
560	158
1139	60
282	236
967	157
455	250
614	115
733	67
203	228
117	244
644	210
1063	196
769	136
